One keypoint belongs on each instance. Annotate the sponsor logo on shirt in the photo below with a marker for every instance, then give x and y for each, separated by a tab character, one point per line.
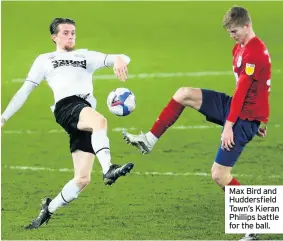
63	62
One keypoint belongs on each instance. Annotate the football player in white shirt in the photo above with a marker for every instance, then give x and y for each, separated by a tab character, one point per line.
69	72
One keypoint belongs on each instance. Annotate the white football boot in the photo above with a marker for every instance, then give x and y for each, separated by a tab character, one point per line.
250	236
140	141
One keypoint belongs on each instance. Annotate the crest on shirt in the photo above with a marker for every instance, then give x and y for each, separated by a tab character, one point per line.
79	56
250	68
239	61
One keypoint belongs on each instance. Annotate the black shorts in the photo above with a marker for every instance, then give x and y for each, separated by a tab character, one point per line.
67	112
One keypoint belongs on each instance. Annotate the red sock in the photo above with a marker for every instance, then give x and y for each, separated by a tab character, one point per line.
167	118
233	182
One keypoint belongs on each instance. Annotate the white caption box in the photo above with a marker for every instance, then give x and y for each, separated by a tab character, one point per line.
254	209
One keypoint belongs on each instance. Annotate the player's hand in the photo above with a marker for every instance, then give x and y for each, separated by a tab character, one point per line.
227	137
262	131
120	69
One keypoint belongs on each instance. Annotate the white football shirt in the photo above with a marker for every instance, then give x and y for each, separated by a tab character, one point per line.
67	73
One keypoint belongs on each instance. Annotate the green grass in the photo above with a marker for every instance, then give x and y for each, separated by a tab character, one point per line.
159	37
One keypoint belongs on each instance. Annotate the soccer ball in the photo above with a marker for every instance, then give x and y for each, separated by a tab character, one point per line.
121	102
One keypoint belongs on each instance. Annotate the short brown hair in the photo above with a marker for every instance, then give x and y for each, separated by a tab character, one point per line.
237	16
53	28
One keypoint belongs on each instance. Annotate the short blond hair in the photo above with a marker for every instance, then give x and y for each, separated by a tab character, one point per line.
236	16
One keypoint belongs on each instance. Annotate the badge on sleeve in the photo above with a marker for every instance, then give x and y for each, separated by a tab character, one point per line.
250	69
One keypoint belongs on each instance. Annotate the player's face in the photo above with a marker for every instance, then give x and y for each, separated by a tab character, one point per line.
66	36
239	33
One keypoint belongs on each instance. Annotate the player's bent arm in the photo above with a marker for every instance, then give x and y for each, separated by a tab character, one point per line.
99	60
18	100
110	59
238	98
119	63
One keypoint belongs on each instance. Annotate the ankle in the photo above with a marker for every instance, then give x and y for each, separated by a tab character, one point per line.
152	139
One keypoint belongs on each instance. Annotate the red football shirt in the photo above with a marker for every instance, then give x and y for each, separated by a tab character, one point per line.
252	69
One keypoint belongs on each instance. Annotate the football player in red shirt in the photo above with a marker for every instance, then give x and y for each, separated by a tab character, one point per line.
240	115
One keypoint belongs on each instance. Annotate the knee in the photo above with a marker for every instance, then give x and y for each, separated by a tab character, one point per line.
82	181
184	93
99	122
221	178
189	96
216	176
90	120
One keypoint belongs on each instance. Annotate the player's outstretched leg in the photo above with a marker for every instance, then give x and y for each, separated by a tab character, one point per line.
185	96
94	122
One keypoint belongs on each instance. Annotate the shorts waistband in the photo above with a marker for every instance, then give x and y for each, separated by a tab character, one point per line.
72	99
83	96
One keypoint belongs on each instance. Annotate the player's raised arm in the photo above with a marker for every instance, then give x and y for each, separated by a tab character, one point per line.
119	62
33	79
